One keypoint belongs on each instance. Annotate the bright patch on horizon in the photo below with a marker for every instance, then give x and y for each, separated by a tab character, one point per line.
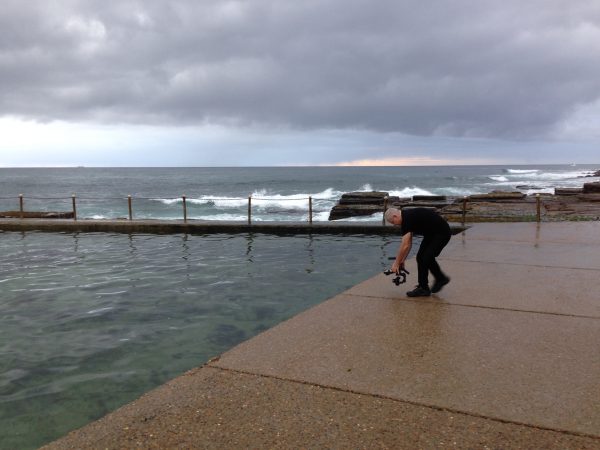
409	161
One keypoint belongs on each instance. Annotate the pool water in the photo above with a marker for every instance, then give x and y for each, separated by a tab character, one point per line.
89	322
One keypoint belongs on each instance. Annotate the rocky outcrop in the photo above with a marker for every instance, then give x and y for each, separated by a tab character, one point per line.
37	214
354	204
364	198
589	197
429	198
496	206
529	187
591	188
572	206
568	191
495	196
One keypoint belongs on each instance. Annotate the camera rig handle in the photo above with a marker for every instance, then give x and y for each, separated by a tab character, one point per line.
400	276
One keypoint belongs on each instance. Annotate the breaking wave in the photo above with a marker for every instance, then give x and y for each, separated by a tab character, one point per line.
537	174
520	171
524	176
552	176
410	191
260	199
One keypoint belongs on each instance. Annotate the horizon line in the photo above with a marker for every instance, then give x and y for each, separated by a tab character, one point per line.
80	166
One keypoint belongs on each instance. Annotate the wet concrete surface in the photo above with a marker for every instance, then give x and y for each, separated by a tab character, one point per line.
551	232
480	361
506	356
212	408
568	256
507	286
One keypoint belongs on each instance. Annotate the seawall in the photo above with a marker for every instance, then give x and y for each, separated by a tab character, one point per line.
197	226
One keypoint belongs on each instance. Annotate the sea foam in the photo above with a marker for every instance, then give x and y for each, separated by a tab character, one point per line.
521	171
409	192
260	198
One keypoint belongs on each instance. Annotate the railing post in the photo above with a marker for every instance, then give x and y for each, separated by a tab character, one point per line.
21	204
464	209
73	197
538	208
385	207
129	206
310	213
249	209
184	209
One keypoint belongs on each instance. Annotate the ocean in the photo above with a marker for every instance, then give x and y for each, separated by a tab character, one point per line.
278	193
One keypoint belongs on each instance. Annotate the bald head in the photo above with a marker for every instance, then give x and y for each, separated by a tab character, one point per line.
393	216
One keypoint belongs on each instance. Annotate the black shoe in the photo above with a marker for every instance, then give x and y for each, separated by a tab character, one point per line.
439	284
419	292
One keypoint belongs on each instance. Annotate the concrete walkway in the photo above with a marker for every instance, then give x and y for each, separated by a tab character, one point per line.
506	356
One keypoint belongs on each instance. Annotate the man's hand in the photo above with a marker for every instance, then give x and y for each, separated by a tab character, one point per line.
396	267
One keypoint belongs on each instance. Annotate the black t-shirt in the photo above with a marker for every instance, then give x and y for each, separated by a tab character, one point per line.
424	222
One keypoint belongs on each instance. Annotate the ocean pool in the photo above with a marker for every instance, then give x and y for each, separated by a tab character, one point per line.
90	321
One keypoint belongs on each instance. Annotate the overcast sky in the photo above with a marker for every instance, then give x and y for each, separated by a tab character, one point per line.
282	82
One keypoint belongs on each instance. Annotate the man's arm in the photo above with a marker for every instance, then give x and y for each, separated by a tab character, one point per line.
403	252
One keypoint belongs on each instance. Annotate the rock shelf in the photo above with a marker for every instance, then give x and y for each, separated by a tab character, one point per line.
37	214
565	204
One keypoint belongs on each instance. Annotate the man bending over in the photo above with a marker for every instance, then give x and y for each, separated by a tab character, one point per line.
436	234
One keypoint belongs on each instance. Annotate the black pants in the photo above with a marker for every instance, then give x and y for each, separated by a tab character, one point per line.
431	246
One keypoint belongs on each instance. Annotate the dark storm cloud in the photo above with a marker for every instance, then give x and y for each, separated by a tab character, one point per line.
508	69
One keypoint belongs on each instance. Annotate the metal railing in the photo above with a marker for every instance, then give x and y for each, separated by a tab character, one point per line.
538	208
129	199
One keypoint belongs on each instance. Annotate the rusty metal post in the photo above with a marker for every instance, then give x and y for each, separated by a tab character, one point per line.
184	209
310	212
538	207
129	206
464	209
385	207
249	209
21	205
73	197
